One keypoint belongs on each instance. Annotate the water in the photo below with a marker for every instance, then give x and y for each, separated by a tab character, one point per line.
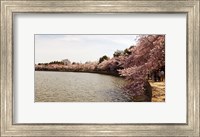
78	87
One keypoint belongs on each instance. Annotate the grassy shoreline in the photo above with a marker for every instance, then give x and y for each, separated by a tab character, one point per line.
158	91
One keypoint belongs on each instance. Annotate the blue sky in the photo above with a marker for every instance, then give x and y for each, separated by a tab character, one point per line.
79	48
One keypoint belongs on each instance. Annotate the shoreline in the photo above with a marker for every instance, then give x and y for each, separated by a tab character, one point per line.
95	72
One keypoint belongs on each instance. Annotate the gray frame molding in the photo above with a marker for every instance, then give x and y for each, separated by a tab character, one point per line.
191	7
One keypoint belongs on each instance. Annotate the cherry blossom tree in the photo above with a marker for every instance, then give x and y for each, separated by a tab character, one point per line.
146	56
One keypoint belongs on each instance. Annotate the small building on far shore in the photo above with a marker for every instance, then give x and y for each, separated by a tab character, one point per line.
66	62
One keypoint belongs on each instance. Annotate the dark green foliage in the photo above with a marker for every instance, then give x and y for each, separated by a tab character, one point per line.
118	53
56	62
103	58
127	52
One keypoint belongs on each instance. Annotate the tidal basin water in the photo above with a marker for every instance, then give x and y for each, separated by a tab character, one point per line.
78	87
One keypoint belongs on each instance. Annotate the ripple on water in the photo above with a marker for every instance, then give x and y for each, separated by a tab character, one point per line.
78	87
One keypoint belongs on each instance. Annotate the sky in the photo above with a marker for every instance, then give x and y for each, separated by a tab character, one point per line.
79	48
